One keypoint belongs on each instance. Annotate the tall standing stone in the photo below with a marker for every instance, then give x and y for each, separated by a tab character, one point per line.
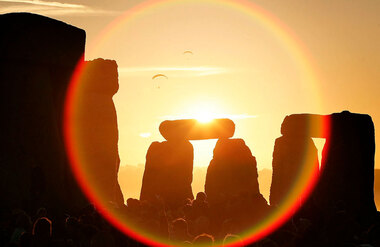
292	155
168	172
348	165
232	186
97	130
37	58
232	172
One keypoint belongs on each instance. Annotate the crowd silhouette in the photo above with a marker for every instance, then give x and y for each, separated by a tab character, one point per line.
191	224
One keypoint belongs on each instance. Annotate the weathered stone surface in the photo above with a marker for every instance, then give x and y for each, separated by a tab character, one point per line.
37	58
292	156
348	164
232	172
168	172
191	129
96	127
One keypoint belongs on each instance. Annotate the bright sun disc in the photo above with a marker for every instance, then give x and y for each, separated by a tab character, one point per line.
204	112
204	117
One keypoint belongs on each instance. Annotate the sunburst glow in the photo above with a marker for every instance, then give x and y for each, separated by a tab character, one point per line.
204	112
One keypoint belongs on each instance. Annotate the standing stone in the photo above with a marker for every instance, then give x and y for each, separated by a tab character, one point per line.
232	172
97	129
168	173
376	188
37	58
348	165
292	155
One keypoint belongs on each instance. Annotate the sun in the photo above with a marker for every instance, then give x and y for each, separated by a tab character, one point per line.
204	112
204	117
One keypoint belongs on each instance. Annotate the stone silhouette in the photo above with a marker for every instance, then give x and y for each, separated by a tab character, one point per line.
309	125
97	128
232	172
348	165
37	56
192	129
347	175
168	173
232	187
294	152
169	165
377	188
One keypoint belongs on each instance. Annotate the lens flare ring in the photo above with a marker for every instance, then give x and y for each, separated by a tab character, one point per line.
302	188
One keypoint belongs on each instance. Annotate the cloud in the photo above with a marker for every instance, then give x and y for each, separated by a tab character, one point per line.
50	8
145	135
45	3
173	71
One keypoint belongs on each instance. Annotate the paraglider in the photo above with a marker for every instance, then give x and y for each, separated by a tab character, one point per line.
159	75
188	53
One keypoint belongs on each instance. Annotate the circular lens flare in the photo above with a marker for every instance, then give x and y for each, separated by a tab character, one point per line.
301	188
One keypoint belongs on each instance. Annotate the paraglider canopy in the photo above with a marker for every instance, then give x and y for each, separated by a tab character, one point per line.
159	75
188	52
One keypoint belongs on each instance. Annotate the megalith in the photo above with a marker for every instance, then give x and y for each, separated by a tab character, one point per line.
347	167
347	176
169	165
292	155
37	58
192	129
232	172
97	130
168	173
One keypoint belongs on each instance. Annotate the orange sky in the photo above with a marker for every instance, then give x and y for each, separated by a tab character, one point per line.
239	67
